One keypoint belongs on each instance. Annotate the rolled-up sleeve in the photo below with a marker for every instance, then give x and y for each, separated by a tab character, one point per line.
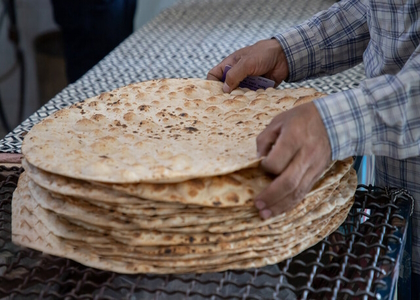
381	117
331	41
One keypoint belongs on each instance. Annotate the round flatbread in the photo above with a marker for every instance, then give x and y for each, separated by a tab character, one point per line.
167	130
237	189
30	229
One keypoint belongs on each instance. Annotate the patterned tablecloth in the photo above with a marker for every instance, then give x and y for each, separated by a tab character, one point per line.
187	40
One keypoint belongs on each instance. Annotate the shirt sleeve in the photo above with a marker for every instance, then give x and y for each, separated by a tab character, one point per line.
381	117
331	41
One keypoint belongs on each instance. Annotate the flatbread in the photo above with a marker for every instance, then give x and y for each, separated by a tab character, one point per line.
160	177
235	189
307	204
27	230
133	233
91	214
80	188
94	215
191	244
164	211
189	236
167	130
60	227
232	190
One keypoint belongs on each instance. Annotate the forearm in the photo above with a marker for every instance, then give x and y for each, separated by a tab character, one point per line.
329	42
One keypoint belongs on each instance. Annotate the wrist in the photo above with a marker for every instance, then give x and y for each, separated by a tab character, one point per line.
280	64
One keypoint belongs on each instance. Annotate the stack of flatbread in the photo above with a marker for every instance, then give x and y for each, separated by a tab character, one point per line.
160	177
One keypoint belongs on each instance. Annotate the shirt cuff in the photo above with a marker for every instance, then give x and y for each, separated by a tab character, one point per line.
301	48
348	121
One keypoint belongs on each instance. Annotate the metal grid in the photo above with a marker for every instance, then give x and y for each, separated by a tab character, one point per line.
359	261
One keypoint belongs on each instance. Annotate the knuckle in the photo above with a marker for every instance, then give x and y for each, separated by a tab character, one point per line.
230	80
250	63
269	166
281	207
290	183
277	118
299	194
276	210
261	139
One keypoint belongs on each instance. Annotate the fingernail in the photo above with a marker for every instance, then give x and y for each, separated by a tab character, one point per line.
226	88
265	214
259	204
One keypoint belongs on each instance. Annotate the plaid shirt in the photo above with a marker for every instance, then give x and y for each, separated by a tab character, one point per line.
382	116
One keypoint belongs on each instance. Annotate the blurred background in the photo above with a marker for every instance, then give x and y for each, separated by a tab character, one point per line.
37	39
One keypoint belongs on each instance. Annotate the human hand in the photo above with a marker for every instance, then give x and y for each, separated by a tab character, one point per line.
264	58
298	150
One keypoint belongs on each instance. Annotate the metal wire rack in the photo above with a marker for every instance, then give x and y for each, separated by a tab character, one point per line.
358	261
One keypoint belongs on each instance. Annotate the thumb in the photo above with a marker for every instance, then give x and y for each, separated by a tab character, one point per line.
235	75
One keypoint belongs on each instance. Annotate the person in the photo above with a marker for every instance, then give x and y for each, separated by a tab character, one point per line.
91	29
380	117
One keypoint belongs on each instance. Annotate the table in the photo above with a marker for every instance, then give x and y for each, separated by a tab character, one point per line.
359	261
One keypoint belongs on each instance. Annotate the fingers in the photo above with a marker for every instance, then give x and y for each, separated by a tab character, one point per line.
238	72
297	149
285	187
217	72
241	68
265	57
280	153
288	189
268	137
210	76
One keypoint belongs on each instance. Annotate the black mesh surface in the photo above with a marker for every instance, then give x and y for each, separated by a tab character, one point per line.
358	261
